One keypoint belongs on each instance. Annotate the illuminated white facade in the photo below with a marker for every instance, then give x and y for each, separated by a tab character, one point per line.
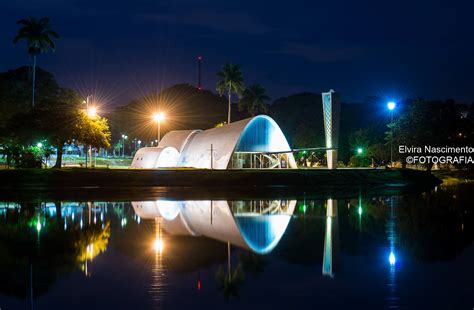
255	142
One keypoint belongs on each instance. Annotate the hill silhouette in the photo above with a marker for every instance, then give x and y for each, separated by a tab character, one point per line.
184	105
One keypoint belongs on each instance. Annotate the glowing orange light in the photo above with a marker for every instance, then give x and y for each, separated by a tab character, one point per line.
158	117
158	245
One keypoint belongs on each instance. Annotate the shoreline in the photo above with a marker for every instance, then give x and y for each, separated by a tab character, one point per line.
83	177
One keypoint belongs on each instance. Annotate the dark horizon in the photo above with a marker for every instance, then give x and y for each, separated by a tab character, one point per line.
121	51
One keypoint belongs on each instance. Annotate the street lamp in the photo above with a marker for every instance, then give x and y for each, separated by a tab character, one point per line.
92	112
391	105
158	118
124	137
360	150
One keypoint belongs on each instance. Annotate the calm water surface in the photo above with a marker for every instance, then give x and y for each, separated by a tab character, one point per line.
411	250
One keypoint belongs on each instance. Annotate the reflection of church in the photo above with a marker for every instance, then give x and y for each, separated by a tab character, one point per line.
256	225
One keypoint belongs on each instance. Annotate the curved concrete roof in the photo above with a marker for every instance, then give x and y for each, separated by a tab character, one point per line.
177	139
259	134
146	158
155	157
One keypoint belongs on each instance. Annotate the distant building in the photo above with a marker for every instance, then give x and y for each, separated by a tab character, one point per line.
256	142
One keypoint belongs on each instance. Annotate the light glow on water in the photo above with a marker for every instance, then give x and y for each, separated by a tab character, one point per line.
158	245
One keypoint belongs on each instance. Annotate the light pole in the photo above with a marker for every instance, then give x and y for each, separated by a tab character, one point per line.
158	118
92	113
124	137
391	105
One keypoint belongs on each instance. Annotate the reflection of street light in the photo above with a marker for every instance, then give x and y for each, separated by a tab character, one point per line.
391	259
158	118
391	105
158	245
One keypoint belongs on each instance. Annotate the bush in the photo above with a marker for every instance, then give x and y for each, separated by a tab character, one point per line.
30	158
359	161
20	157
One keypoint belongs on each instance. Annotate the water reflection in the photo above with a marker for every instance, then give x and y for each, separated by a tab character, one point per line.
228	246
330	238
256	225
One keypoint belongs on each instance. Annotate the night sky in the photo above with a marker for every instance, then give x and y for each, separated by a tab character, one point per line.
121	50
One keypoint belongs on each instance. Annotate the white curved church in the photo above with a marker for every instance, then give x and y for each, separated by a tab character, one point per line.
256	142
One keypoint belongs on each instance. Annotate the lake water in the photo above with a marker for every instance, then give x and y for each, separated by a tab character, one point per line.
357	249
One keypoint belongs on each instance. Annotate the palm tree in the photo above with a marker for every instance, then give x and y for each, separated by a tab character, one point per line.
229	283
254	100
231	82
39	38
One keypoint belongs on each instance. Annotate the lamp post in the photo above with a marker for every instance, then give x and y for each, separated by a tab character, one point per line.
158	118
124	137
91	113
391	105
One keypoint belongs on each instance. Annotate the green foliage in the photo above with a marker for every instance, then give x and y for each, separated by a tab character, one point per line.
57	118
92	131
231	80
379	153
15	88
359	161
37	33
230	283
359	139
431	123
254	100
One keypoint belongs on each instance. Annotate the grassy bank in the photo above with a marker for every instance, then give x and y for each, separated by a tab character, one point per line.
76	177
75	184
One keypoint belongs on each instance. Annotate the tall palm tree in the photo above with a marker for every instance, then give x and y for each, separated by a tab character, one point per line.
254	100
231	81
39	38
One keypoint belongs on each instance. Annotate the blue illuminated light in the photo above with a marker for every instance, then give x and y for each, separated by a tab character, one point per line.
391	259
391	105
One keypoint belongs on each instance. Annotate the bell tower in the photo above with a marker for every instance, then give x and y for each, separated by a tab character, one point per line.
331	116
